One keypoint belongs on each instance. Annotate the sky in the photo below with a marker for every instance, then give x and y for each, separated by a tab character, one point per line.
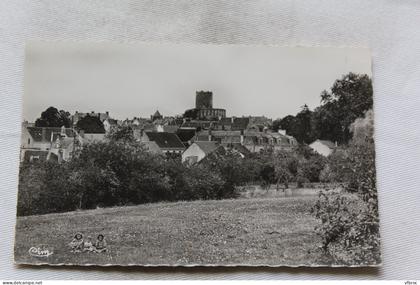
136	79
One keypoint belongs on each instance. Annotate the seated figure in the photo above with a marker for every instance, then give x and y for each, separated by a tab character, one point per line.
76	245
100	244
88	245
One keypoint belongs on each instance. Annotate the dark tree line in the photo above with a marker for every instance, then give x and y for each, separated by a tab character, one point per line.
52	117
349	98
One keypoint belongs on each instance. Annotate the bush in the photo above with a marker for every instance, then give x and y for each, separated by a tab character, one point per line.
43	188
350	222
205	184
311	168
120	172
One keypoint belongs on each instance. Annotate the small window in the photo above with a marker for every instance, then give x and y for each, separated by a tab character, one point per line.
29	141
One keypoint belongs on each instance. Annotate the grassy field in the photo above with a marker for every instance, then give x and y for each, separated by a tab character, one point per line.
256	231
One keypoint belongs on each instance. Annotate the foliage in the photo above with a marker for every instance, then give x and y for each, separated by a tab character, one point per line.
122	133
350	97
285	167
91	125
299	126
116	172
312	167
287	123
205	184
43	188
93	186
350	223
52	117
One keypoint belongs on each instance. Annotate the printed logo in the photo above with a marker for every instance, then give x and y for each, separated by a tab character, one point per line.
41	251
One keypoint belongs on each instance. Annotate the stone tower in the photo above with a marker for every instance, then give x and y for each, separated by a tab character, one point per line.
203	100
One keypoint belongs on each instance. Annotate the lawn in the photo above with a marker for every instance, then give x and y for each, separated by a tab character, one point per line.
253	231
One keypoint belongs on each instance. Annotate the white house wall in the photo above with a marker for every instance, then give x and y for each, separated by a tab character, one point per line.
320	148
193	150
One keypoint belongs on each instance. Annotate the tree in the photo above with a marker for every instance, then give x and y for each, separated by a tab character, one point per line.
51	117
122	133
285	167
204	183
350	224
91	124
349	98
299	126
44	188
312	167
302	130
287	123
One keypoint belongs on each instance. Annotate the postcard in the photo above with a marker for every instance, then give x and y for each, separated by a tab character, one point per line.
197	155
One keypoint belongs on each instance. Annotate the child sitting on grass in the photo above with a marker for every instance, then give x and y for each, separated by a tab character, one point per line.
88	245
100	245
76	245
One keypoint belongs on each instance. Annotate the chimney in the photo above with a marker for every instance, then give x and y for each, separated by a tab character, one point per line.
44	134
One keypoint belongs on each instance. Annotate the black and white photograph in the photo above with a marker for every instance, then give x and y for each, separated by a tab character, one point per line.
156	154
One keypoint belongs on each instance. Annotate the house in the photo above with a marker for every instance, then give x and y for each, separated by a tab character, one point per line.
152	147
168	143
323	147
87	138
34	155
239	149
110	124
156	116
41	139
62	148
232	123
254	141
186	135
78	116
166	128
199	150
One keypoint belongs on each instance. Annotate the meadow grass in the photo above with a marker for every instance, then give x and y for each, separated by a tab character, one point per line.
255	231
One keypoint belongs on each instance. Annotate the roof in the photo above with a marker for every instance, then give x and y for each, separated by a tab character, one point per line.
165	140
185	134
152	147
37	133
170	128
225	121
157	114
42	154
66	143
89	138
260	120
112	121
220	133
328	143
207	146
240	123
241	149
196	124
